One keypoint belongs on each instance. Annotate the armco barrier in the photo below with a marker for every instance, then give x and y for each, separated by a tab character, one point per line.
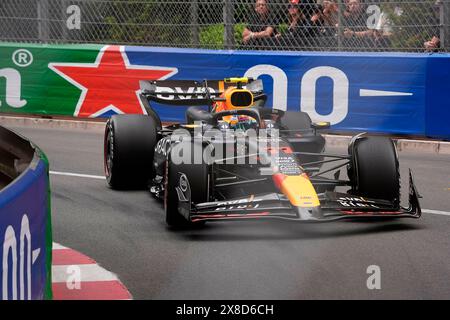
25	222
384	92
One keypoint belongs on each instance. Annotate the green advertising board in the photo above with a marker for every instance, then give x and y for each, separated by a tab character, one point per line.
72	80
29	86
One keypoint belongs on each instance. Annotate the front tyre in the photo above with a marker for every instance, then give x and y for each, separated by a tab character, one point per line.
374	169
291	120
129	145
301	136
196	191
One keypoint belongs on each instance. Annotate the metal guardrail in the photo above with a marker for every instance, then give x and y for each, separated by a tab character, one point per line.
320	25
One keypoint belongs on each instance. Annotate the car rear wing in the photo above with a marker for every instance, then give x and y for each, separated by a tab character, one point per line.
190	92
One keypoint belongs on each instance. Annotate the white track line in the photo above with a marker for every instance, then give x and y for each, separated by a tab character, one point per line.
79	175
444	213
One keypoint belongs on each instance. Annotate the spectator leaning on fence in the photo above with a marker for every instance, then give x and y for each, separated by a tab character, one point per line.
260	29
327	14
382	31
432	45
325	19
354	21
363	29
301	29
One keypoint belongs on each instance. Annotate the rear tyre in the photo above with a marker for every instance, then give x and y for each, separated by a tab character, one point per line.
374	169
129	145
295	121
197	177
301	136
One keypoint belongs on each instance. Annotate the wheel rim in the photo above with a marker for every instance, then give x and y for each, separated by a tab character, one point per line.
108	155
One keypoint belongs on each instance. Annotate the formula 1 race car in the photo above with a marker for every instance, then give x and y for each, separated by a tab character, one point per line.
236	159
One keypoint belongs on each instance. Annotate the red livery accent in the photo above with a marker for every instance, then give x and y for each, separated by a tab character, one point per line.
371	212
273	150
278	179
231	216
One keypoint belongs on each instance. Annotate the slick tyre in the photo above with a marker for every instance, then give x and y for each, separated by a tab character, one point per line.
129	145
295	121
374	169
197	178
301	136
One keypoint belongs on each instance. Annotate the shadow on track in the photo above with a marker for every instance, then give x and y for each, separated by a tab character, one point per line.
285	231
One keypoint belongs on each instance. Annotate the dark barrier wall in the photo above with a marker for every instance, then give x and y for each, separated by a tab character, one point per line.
25	223
384	92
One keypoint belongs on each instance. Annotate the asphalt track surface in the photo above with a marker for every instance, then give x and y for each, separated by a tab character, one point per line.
125	232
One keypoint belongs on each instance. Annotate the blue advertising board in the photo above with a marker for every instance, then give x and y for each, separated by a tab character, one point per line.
383	92
23	223
393	93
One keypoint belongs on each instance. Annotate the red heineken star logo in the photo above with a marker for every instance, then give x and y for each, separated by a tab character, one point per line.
111	83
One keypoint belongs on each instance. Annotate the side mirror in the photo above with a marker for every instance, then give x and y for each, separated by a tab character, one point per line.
320	125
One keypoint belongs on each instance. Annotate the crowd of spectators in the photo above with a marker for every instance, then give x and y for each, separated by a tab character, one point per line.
318	24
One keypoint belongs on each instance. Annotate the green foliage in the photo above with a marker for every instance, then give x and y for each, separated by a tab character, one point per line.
282	28
211	37
150	23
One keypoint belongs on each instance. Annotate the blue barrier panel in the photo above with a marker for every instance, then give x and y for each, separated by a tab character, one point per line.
383	92
394	93
23	228
438	97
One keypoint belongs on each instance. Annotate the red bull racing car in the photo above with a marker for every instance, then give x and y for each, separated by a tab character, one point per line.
235	159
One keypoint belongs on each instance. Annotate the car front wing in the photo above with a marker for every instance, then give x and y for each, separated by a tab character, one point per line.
333	206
